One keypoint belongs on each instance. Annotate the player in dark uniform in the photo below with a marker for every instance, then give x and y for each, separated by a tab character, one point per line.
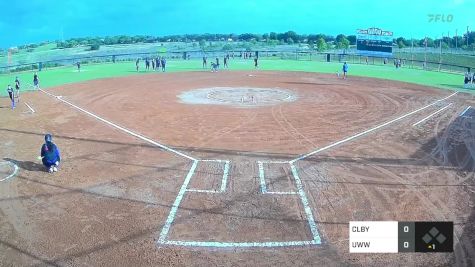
78	64
137	64
256	64
147	64
205	64
17	87
50	154
36	81
153	64
163	63
225	65
345	70
466	80
157	63
11	95
217	63
214	67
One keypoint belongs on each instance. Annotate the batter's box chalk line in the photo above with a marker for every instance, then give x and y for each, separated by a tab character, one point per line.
163	237
263	180
224	179
14	172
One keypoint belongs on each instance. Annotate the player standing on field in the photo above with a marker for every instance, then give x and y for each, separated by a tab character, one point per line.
157	64
205	64
78	64
163	62
36	81
345	70
225	62
137	64
12	96
256	64
17	87
147	64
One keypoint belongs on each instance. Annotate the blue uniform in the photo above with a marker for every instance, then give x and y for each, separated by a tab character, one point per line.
345	67
50	154
164	62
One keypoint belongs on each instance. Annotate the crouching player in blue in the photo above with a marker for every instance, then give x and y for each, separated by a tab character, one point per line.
50	154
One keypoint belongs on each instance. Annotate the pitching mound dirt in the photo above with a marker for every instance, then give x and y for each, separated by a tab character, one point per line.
238	96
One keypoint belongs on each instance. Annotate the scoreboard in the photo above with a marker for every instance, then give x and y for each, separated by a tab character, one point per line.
395	237
374	41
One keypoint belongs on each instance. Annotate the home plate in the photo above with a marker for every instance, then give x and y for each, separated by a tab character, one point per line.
250	75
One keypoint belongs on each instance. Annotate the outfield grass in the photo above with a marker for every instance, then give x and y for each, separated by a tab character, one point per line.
66	75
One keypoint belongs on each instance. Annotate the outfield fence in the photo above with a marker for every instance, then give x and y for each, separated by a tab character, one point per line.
407	60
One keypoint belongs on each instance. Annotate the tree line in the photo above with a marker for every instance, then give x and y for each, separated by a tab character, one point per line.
319	42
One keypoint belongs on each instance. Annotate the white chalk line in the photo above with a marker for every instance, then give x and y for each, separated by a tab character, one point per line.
224	179
465	111
369	131
241	244
431	115
281	193
307	209
15	170
32	110
171	216
120	127
262	178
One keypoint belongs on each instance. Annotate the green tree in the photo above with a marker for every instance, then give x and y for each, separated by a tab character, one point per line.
227	47
352	39
321	45
273	36
341	42
95	46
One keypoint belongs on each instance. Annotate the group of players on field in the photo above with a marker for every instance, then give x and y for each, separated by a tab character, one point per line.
14	94
156	63
215	64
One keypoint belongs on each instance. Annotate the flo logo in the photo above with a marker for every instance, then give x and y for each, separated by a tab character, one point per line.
441	18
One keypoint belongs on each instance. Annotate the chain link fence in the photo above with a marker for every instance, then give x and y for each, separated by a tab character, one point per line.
407	60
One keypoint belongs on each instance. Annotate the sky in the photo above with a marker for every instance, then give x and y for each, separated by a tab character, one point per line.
40	20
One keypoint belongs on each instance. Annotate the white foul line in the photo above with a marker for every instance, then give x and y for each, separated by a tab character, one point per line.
431	115
368	131
120	127
32	110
